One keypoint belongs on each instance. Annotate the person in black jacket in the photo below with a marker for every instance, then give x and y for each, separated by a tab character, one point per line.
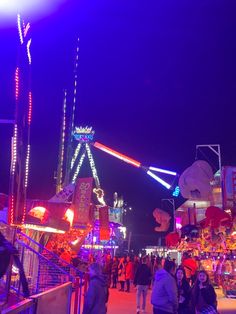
203	295
142	280
114	272
97	295
183	291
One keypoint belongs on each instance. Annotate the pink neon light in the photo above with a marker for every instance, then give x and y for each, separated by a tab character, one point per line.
117	154
17	83
26	29
178	224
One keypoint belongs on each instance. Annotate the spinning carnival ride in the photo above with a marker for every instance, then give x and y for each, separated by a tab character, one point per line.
84	136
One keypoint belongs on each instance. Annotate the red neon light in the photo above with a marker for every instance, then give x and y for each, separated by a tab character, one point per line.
24	214
117	155
11	209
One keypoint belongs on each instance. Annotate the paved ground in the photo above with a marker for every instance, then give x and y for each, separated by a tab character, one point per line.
125	303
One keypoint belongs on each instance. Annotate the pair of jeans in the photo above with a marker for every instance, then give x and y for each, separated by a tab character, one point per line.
114	280
128	285
122	285
141	291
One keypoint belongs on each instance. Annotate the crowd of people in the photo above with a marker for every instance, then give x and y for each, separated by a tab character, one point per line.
172	291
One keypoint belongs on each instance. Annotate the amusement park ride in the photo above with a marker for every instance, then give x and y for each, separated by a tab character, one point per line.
84	137
76	142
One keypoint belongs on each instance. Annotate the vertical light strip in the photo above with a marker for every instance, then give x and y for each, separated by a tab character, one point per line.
30	109
78	167
19	28
92	165
13	169
11	209
14	149
17	83
28	50
60	165
27	165
75	84
75	155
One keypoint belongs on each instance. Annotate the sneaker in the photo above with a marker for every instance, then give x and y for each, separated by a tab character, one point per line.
138	311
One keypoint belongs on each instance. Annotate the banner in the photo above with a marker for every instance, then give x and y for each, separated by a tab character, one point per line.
81	201
104	223
64	194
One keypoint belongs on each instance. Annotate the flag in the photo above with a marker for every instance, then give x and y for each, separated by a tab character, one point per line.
104	223
81	201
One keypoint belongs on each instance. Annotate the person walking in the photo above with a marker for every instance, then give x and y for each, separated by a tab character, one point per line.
203	296
121	274
142	280
114	272
164	294
129	273
107	268
97	295
183	288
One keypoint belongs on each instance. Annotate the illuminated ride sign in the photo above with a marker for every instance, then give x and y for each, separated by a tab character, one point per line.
84	134
115	215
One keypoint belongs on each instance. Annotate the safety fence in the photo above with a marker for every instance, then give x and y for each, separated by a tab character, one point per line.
55	300
43	269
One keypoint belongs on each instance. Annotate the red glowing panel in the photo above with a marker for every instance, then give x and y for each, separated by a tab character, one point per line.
38	212
117	154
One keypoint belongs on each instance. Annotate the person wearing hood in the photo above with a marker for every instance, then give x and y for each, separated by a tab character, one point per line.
164	294
98	293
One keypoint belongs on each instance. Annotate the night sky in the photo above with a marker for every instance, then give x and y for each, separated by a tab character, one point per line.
156	78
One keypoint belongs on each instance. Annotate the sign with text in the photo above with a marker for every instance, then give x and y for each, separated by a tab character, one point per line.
81	201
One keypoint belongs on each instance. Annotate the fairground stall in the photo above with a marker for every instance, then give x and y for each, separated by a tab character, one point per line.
206	229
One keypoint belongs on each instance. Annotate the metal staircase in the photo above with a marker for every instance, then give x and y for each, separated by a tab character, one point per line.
43	269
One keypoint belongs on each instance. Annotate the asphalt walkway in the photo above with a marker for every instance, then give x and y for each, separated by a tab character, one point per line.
125	303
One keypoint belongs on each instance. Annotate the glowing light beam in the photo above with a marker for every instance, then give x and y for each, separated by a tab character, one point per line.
172	173
117	154
164	183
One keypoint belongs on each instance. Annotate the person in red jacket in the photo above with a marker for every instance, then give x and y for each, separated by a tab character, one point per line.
129	273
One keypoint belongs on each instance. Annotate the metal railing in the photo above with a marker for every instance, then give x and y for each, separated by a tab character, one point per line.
56	300
43	269
23	307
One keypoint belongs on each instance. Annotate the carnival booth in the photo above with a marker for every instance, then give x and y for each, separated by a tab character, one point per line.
206	225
